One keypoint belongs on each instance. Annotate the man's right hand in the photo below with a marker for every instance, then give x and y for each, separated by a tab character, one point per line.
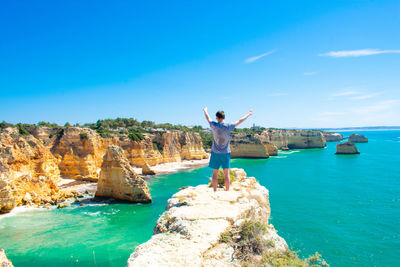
205	109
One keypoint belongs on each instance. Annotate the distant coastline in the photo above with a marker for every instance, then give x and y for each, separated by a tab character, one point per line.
370	128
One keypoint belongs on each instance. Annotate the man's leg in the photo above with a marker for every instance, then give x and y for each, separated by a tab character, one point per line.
227	181
215	179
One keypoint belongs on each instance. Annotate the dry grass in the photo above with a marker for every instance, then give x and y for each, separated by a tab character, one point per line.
253	250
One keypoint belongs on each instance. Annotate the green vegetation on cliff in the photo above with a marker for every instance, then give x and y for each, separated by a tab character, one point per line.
252	249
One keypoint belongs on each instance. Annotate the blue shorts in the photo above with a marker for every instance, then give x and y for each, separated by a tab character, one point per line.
220	160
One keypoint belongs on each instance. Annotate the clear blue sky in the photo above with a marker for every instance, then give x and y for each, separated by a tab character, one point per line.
295	63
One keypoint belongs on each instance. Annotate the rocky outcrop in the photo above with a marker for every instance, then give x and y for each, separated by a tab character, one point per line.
4	262
251	146
28	173
268	142
332	137
303	139
141	153
179	145
79	152
189	232
119	181
346	148
358	138
146	170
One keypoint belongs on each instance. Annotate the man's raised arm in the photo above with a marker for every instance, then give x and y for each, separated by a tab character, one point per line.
206	114
244	118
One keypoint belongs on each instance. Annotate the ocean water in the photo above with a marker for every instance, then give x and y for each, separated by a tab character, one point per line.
346	207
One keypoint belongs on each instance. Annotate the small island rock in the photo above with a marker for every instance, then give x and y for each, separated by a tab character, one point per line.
118	179
346	148
358	138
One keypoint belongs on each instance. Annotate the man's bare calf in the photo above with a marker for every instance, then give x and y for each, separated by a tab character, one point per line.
215	179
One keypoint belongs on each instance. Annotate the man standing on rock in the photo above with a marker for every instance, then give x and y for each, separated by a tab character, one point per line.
220	150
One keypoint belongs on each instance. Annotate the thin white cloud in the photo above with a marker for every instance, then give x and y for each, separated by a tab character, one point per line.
358	53
252	59
361	97
309	73
347	93
377	107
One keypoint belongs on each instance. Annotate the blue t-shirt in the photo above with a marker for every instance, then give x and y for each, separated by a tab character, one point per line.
221	133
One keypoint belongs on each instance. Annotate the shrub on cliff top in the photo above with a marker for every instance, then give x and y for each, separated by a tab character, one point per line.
22	129
253	250
4	125
48	124
135	136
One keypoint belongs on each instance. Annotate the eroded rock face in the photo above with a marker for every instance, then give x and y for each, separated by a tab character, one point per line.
332	137
268	142
251	146
119	181
26	167
188	233
358	138
141	153
80	152
178	145
4	262
346	148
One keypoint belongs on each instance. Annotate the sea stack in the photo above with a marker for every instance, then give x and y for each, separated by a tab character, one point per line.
119	181
358	138
347	148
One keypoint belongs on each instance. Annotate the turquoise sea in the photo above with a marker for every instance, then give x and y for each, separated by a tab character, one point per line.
346	207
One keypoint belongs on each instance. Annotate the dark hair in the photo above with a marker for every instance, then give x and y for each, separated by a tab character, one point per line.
220	114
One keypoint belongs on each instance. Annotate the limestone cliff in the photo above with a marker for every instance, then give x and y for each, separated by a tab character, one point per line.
268	142
332	137
179	145
28	172
80	150
140	153
31	166
294	139
251	146
189	232
118	180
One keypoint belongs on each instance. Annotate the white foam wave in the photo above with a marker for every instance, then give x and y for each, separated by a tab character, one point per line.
97	204
93	214
280	157
288	152
18	210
